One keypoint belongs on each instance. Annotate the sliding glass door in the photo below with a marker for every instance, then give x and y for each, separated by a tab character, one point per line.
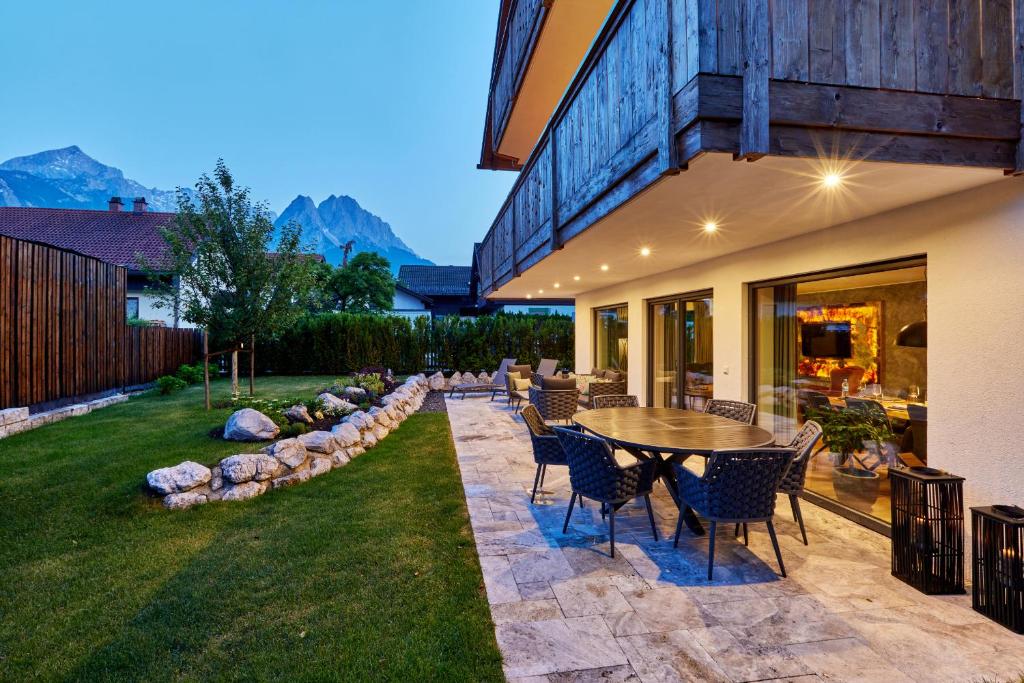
681	373
611	338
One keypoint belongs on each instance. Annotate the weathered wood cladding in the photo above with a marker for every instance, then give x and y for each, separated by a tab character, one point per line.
63	331
515	43
917	81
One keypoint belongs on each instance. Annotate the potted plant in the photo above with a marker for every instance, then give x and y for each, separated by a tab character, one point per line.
845	432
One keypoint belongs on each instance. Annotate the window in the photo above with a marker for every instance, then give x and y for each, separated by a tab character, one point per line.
133	307
681	374
830	343
611	338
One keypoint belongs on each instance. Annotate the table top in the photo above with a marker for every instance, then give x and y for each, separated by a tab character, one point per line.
894	407
671	430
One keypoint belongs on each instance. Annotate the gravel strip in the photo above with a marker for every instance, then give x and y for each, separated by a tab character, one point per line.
433	402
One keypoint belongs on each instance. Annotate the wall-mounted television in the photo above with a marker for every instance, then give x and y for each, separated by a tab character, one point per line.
826	340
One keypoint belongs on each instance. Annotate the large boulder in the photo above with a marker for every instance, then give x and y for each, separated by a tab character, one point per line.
249	489
339	458
239	469
380	431
361	420
382	417
250	425
298	413
289	451
335	404
483	377
318	466
454	380
436	382
354	394
183	501
183	477
319	442
291	479
369	440
355	451
346	434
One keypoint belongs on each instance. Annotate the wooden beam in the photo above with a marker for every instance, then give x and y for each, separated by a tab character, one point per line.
1018	77
556	243
664	65
756	112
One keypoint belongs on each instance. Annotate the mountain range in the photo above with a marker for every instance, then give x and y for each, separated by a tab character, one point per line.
68	178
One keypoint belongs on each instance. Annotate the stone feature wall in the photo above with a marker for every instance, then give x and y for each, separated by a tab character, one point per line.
15	420
289	461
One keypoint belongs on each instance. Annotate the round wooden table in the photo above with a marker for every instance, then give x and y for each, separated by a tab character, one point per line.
670	435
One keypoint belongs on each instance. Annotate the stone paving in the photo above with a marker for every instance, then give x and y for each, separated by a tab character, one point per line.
565	611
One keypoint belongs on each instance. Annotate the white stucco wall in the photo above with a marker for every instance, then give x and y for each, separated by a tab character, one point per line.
974	242
148	310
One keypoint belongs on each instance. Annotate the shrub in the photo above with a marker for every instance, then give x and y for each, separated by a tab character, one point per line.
168	384
371	383
191	374
291	430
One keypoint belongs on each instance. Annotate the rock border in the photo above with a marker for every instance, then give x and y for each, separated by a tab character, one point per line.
17	420
289	461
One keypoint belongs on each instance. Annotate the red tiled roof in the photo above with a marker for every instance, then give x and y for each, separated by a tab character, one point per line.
112	236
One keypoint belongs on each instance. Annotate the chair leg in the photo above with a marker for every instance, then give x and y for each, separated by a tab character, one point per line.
572	502
736	531
611	528
775	543
798	516
536	483
679	527
711	549
543	473
746	537
650	516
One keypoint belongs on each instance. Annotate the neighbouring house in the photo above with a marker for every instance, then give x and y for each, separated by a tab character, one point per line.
741	210
452	290
115	236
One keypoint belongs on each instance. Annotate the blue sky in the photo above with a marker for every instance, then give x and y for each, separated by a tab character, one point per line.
383	101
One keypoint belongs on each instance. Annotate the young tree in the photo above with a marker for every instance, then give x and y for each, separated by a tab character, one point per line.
228	282
364	285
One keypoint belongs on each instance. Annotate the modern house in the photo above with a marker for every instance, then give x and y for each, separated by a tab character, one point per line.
771	201
114	236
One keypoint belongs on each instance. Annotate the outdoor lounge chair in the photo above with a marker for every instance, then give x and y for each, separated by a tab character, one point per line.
494	387
555	398
515	396
547	367
738	485
595	389
595	474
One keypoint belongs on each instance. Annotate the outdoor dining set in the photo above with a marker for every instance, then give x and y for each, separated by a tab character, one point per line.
743	468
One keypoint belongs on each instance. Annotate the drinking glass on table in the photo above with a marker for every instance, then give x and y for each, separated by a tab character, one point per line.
913	393
876	390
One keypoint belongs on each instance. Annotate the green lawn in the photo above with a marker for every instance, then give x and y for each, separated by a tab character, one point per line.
368	572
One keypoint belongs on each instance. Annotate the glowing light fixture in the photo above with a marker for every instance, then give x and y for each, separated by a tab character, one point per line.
556	285
645	251
576	278
529	296
540	291
604	267
710	227
832	180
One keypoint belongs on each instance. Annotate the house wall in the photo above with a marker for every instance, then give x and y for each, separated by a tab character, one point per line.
147	306
974	242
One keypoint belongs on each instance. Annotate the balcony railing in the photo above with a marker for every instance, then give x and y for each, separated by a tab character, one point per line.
929	81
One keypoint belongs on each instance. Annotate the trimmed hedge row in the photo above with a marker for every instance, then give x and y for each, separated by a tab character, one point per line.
337	343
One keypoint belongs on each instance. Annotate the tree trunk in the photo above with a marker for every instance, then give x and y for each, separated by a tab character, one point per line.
252	367
206	367
234	372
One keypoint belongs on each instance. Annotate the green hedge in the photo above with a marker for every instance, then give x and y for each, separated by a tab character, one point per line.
336	343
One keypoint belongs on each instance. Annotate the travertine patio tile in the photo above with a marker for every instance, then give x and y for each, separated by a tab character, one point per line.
839	616
541	647
589	596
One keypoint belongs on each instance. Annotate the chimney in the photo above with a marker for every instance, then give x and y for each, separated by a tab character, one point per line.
115	204
139	204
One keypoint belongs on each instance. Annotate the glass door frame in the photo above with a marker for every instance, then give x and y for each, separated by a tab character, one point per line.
594	325
681	300
753	360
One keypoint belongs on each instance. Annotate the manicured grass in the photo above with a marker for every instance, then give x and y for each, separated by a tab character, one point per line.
368	572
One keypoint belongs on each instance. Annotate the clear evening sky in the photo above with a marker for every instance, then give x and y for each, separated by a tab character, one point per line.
380	100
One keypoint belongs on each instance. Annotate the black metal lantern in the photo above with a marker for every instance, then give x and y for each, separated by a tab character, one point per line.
998	569
928	529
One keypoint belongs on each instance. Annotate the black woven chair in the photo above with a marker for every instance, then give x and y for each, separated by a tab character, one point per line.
792	483
616	388
734	410
546	448
594	474
616	401
554	404
738	485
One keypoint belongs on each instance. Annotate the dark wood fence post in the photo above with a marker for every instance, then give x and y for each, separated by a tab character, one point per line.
206	367
252	366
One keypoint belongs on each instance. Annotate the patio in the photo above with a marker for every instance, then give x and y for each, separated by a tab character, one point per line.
564	610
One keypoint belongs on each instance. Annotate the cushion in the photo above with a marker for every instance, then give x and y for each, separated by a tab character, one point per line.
596	372
612	376
513	376
558	383
523	370
521	384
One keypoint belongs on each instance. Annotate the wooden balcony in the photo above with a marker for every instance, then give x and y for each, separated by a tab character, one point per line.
666	81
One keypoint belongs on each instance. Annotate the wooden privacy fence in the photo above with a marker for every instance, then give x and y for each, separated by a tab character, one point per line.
63	332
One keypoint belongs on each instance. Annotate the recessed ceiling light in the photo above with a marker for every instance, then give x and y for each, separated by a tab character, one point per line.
710	226
576	278
557	285
604	266
832	180
540	291
645	251
529	296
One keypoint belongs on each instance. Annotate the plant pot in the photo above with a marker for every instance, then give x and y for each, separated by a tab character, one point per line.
837	459
856	488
